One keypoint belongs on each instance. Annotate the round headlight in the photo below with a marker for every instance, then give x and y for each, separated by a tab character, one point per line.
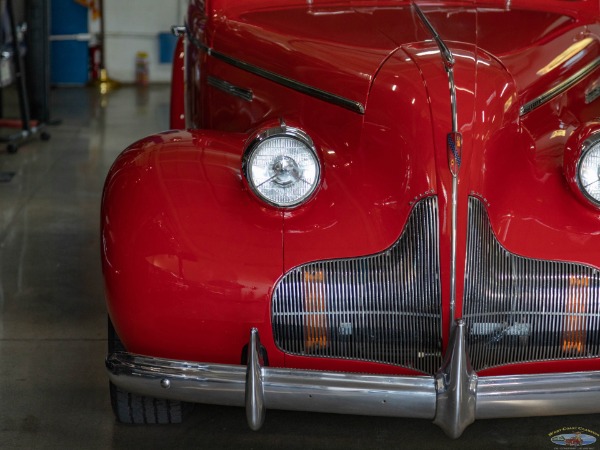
282	167
588	174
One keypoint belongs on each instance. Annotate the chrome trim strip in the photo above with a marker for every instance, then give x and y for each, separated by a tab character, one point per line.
182	32
328	97
446	53
453	103
453	257
592	95
449	62
178	30
559	88
349	393
231	89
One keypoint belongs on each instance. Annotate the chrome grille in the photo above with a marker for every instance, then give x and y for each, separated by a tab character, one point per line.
383	308
519	309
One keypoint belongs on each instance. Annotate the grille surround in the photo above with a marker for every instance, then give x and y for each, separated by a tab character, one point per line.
382	308
521	310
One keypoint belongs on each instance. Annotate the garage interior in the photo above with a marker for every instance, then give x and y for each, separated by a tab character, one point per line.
53	322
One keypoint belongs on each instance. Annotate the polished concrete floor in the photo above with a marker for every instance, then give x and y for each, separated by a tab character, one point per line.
53	388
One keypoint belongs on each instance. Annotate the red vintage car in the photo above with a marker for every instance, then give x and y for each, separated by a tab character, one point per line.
367	207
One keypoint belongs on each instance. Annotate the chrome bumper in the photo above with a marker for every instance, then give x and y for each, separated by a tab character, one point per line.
453	399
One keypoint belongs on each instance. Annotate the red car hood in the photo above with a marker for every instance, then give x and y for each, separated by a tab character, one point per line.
340	49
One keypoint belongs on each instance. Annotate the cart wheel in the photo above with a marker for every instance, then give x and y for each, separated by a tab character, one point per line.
45	136
12	148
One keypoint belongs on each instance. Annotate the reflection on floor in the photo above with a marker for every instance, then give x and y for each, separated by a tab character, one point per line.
53	388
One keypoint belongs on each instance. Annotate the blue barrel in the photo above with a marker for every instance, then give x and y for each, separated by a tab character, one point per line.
69	43
166	42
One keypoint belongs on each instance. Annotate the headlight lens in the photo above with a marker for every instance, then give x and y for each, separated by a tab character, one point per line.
589	172
282	167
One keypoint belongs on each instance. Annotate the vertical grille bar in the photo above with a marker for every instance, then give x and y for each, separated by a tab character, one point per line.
522	310
382	308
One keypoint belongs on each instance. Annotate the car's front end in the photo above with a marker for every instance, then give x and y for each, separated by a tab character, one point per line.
385	209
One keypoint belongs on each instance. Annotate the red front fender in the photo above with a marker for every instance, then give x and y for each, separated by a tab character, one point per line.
189	257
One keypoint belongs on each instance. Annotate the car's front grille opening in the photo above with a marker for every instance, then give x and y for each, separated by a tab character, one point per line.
382	308
519	309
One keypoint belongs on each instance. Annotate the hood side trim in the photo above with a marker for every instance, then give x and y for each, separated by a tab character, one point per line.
329	97
559	88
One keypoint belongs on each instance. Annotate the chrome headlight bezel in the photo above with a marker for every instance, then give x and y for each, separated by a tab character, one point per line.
292	135
588	148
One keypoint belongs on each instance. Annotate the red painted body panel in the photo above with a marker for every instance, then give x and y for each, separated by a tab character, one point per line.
184	271
191	256
179	267
324	50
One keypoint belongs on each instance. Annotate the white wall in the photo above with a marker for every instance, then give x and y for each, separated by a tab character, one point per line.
132	26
